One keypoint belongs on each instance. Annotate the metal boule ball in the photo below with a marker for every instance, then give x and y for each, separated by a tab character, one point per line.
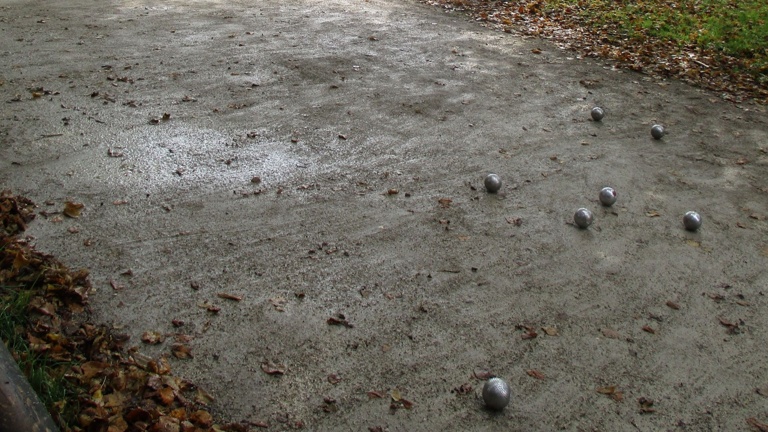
583	218
692	221
492	183
657	131
607	196
496	394
597	113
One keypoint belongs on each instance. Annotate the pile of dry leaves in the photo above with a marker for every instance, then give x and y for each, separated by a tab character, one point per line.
664	59
111	389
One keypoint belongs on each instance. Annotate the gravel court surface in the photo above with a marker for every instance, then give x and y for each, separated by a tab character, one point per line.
370	127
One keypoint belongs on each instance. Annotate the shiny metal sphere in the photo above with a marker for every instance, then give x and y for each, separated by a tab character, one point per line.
496	394
607	196
597	113
492	183
657	131
692	221
583	218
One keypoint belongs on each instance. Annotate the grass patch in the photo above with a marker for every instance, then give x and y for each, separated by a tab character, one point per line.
735	28
45	375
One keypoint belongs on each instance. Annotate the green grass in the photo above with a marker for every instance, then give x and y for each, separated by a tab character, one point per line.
736	28
44	375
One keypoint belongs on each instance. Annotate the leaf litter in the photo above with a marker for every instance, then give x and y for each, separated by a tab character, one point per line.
116	389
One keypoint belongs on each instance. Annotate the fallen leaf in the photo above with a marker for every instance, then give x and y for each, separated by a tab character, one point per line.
375	394
334	378
396	395
229	296
649	329
607	390
646	405
550	331
762	391
483	374
72	209
339	319
653	213
673	305
181	351
463	389
741	225
761	427
611	391
201	396
270	368
445	202
278	303
535	374
536	51
152	338
166	396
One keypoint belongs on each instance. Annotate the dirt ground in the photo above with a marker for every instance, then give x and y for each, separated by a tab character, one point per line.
324	158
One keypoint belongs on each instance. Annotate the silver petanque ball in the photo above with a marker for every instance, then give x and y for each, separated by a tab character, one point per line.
657	131
692	221
492	183
496	394
583	218
607	196
597	113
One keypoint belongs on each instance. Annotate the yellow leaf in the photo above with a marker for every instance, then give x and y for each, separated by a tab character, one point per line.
72	209
396	396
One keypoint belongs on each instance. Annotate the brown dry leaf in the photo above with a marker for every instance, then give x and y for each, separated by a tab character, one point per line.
550	331
535	374
463	389
483	374
270	368
646	405
373	394
201	418
673	305
741	225
761	427
536	51
73	209
340	319
649	329
202	397
395	394
152	337
444	202
334	378
166	396
181	351
229	296
278	303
